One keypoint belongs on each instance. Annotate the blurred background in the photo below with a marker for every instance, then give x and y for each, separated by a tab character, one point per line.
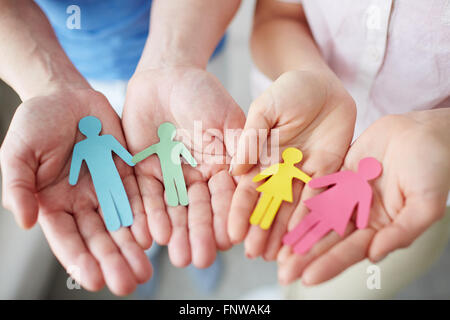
28	269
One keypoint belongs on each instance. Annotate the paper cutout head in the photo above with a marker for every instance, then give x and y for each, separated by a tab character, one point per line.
167	131
369	168
292	156
90	126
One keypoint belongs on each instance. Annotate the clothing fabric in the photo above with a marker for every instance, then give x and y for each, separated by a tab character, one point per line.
110	38
392	56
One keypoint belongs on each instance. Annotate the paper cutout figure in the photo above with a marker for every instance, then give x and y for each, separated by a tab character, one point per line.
333	208
277	188
96	151
169	153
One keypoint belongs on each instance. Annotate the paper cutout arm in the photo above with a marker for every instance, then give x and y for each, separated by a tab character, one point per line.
324	181
302	176
123	153
188	156
363	210
144	154
266	173
75	167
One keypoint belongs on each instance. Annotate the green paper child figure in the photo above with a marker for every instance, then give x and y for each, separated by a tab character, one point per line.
169	153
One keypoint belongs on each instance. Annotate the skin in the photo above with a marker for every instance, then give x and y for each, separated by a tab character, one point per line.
183	95
36	153
35	177
313	112
309	107
408	198
171	84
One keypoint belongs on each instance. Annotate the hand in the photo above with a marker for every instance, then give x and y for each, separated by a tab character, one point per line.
312	112
409	196
35	162
184	95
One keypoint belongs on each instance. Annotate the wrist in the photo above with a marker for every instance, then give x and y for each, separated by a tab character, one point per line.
436	119
167	54
48	76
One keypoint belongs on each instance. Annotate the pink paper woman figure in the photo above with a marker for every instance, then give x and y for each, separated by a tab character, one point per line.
333	208
277	188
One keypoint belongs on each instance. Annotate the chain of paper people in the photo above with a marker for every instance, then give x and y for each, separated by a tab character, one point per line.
330	210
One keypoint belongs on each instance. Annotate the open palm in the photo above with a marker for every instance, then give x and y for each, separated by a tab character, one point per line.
310	112
201	109
408	198
35	161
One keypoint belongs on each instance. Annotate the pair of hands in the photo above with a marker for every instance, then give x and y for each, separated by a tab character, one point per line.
313	112
35	162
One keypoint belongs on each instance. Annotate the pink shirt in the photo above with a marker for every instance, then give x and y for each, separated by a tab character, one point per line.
392	56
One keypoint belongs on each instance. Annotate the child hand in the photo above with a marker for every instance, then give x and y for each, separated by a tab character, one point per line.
35	160
408	198
312	112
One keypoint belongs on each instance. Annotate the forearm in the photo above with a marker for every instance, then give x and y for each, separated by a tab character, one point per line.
33	62
185	32
282	41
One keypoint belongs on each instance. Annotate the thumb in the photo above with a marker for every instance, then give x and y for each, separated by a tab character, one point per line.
18	188
253	138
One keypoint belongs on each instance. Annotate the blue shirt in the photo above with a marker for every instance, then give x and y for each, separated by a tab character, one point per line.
111	36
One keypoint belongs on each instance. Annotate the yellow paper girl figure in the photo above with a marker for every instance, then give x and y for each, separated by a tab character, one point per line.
278	188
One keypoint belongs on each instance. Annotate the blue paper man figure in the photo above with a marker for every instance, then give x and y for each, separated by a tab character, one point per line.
96	151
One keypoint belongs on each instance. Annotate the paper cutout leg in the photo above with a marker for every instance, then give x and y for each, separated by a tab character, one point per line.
260	209
122	204
300	229
270	213
314	235
171	192
109	210
182	191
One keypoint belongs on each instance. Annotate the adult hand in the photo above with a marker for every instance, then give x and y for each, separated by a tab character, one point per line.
408	198
312	112
35	161
189	97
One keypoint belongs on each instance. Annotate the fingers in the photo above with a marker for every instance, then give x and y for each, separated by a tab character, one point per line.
201	235
221	187
291	266
255	133
340	257
66	243
267	242
179	247
18	180
417	215
280	226
118	274
152	192
140	227
133	253
242	205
